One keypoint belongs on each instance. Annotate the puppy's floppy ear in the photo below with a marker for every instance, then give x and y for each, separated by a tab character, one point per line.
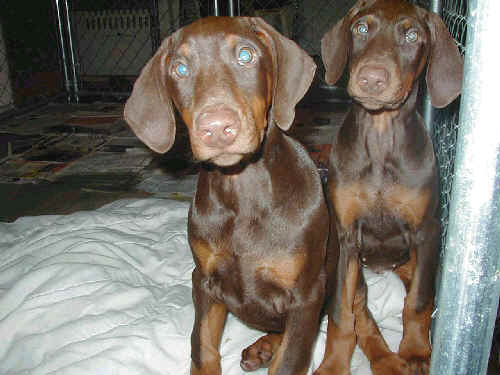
445	66
336	42
149	110
334	50
293	71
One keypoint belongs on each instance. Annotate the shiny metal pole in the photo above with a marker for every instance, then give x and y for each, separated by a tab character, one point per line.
435	6
62	42
216	8
470	285
72	53
234	8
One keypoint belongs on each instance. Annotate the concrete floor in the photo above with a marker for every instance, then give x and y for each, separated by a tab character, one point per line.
56	198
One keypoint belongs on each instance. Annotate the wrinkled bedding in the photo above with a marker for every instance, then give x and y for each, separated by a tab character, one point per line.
109	292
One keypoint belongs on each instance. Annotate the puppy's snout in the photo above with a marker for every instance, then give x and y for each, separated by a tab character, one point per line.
373	80
218	127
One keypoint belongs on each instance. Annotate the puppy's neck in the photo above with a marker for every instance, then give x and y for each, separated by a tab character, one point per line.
382	120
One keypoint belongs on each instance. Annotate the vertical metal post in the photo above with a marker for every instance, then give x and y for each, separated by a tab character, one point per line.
428	109
470	285
234	8
62	43
72	53
435	6
216	8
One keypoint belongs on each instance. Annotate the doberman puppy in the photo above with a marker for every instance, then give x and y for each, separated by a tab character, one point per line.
258	224
383	180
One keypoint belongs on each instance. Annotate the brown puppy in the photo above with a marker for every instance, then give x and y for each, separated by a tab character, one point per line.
383	183
258	224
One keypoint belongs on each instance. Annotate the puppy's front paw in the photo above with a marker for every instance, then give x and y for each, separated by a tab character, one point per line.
418	366
260	353
391	365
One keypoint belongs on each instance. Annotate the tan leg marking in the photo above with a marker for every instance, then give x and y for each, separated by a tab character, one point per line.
207	257
283	271
341	338
211	329
351	202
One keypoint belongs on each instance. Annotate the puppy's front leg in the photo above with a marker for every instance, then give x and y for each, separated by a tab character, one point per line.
418	277
210	317
341	335
294	353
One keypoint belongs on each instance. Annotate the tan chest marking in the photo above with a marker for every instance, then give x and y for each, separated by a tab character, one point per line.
355	200
282	270
351	202
208	257
409	204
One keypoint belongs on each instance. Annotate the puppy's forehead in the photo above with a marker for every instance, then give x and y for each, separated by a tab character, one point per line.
215	30
388	10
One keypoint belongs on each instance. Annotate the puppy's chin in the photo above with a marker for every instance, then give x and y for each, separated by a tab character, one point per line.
230	157
226	160
376	105
371	103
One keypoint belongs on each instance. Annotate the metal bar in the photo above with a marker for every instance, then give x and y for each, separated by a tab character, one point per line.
470	285
62	43
232	8
72	53
428	110
216	8
436	6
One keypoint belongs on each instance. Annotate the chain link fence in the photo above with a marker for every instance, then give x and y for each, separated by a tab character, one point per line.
105	43
304	21
445	127
113	40
6	98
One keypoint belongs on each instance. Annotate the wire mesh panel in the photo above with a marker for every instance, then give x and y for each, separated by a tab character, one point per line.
113	40
6	98
454	14
445	138
280	14
315	19
304	21
445	127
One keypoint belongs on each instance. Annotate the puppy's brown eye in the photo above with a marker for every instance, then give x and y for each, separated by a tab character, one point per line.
411	36
246	56
361	28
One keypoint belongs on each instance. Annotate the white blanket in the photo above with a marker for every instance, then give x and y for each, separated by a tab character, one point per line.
109	292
